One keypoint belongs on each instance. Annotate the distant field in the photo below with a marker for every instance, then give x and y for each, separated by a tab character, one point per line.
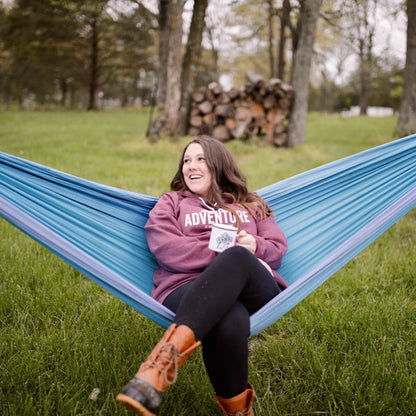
348	349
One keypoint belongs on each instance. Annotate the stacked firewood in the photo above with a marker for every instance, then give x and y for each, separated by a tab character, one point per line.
255	110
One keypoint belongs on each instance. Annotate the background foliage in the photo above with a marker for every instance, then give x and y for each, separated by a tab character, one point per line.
47	50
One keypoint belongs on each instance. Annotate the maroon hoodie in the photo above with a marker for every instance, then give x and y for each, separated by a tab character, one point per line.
178	232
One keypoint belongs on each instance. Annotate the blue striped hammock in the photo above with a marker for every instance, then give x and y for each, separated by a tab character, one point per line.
329	215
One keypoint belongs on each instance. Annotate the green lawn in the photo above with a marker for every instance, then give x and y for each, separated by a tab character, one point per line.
348	349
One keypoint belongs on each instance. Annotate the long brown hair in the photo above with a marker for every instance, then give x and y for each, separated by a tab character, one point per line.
228	182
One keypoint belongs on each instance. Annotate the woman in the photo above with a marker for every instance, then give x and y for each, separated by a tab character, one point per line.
213	294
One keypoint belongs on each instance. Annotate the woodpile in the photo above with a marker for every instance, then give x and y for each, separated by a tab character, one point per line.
255	110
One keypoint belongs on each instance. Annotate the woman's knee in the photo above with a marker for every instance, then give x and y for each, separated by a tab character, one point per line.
238	255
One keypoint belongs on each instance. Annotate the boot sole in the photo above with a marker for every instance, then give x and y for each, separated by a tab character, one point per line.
137	407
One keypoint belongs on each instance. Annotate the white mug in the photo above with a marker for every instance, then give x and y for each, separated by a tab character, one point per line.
222	237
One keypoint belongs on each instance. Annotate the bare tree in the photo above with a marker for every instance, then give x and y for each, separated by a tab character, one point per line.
284	16
164	33
360	16
406	123
302	59
95	19
214	52
175	86
170	65
270	18
93	85
190	62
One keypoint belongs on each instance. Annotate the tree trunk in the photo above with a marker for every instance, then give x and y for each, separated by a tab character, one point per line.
361	20
93	87
214	55
164	34
191	62
166	121
406	123
366	62
64	91
284	23
364	90
308	20
173	84
271	38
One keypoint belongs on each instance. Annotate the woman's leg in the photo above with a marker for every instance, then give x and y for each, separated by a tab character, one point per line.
208	310
237	283
225	352
225	348
235	275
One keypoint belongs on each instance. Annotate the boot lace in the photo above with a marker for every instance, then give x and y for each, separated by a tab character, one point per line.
165	360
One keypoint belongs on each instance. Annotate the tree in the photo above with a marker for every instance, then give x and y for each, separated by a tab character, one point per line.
173	84
302	59
251	25
163	52
115	44
248	17
169	69
130	60
68	52
270	15
213	52
361	18
4	59
406	123
94	26
190	63
37	37
284	17
179	75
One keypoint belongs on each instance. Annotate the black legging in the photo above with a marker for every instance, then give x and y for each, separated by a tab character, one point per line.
217	306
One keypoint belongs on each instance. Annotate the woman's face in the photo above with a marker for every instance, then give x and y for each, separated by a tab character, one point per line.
195	170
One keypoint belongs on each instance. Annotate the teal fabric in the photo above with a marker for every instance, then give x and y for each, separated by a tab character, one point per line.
329	214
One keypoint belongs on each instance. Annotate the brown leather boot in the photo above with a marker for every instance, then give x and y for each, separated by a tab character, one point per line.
240	405
144	393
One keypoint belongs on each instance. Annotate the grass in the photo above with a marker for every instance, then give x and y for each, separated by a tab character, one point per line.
348	349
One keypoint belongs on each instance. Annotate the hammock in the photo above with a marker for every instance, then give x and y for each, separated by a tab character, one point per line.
329	215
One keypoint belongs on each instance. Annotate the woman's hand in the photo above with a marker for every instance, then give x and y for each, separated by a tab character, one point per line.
246	240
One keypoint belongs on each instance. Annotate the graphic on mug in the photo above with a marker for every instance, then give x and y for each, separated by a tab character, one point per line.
222	237
224	241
